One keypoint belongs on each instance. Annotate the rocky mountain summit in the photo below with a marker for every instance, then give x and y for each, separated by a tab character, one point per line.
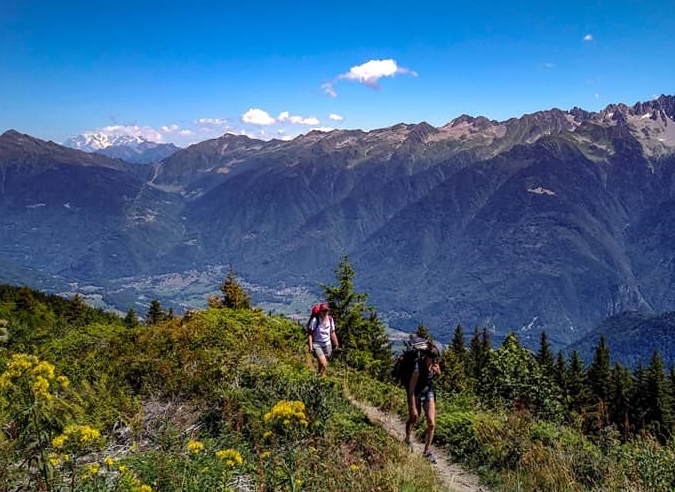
130	148
551	221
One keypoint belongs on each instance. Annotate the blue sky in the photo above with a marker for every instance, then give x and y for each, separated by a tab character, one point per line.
183	72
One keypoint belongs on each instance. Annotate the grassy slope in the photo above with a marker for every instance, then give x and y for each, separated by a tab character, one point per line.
213	379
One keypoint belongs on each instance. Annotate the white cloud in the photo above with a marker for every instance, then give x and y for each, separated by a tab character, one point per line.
186	133
335	117
549	65
211	121
299	120
588	37
328	89
255	116
369	73
169	128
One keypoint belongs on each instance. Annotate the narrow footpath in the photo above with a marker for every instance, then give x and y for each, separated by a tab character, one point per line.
453	476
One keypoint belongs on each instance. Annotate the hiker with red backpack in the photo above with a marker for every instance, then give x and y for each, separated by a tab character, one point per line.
321	337
421	395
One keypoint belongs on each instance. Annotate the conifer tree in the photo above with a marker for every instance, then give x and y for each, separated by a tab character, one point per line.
619	401
576	383
659	410
545	356
155	313
234	295
599	372
640	400
423	331
76	311
453	364
458	344
130	320
361	333
479	350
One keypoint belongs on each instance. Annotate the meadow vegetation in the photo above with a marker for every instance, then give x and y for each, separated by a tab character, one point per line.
227	398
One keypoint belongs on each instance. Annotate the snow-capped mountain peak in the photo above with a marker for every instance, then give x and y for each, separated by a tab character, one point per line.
91	142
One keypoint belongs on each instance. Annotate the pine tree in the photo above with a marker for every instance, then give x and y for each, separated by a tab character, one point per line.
455	379
545	356
640	399
234	295
458	344
76	313
599	372
155	313
576	383
620	394
130	320
423	331
361	334
659	416
478	354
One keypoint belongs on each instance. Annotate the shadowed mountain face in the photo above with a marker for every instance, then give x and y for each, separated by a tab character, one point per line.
552	221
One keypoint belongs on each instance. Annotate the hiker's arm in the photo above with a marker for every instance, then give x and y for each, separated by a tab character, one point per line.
436	369
334	339
310	340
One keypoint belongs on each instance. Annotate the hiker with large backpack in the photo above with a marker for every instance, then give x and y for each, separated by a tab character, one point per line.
420	393
321	337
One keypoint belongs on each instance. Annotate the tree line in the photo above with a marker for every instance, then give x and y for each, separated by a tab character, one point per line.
598	397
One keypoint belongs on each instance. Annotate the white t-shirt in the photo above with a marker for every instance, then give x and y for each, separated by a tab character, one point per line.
321	330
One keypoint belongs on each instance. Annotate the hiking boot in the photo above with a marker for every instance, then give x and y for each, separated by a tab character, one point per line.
409	443
430	456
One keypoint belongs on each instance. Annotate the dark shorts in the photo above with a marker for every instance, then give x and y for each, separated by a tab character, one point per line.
422	400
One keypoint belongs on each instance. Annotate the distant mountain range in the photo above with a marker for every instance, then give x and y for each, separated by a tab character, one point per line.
553	221
131	148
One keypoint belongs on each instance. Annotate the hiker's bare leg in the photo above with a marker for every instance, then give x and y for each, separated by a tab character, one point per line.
323	364
410	423
430	411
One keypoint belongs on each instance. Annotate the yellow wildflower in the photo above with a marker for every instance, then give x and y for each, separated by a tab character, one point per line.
41	388
145	488
231	457
353	467
93	469
110	462
195	447
59	441
54	459
287	412
267	435
80	435
63	381
44	369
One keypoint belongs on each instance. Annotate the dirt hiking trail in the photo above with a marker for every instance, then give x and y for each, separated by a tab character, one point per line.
452	475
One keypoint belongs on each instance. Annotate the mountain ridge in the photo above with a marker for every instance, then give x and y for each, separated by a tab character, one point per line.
552	221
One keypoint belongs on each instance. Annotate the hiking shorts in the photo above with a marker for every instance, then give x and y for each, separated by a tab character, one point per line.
422	400
323	350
